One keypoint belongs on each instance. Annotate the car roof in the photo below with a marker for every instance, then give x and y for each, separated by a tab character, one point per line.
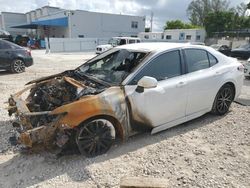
11	43
157	46
126	38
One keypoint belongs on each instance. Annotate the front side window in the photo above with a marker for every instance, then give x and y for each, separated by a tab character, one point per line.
196	59
165	66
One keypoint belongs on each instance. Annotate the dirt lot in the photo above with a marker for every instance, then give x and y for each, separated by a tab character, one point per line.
210	151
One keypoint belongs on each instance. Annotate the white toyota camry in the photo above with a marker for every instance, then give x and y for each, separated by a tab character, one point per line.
129	88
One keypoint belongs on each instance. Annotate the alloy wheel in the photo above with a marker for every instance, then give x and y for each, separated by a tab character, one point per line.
224	100
18	66
96	137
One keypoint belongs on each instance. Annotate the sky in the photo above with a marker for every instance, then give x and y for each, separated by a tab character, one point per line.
163	10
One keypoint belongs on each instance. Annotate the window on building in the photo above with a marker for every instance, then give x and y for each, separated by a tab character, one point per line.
196	59
81	36
134	24
146	36
167	65
188	37
198	37
168	37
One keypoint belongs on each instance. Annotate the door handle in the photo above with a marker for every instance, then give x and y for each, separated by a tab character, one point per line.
181	84
217	73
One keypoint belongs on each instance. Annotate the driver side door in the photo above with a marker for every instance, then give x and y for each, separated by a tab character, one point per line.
166	102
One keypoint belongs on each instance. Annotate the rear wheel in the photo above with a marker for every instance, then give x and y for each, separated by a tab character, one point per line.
223	100
95	137
17	66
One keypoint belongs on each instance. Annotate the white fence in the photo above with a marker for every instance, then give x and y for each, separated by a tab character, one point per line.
75	44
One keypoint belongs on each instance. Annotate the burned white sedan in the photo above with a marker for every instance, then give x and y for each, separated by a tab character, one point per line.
128	89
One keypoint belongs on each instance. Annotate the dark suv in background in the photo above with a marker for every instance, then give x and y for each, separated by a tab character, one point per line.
13	57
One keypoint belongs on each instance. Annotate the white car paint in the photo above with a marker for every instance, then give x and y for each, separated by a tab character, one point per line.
102	48
125	40
182	98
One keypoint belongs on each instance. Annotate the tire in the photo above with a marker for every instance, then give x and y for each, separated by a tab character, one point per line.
17	66
223	100
95	137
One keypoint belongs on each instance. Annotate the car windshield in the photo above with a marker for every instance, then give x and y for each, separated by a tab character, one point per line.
245	46
112	66
114	42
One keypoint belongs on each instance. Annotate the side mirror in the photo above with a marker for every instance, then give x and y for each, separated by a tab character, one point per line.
146	82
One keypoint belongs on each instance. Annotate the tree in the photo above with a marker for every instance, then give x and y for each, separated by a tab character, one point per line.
248	5
225	21
219	21
241	9
198	9
178	24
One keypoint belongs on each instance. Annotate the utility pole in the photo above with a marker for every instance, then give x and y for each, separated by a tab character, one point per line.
151	22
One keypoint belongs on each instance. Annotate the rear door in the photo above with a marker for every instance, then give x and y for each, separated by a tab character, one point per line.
202	80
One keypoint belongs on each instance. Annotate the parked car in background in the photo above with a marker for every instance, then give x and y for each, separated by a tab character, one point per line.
13	57
247	69
242	51
226	50
116	41
128	89
5	35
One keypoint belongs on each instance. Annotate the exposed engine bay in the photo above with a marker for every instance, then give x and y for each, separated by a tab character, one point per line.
47	94
61	90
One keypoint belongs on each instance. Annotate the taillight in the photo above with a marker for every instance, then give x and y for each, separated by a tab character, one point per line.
28	52
241	68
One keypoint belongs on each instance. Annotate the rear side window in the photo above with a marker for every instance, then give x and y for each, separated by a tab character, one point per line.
167	65
4	45
196	59
212	60
131	41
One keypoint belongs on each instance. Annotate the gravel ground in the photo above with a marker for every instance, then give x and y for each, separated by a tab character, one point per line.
210	151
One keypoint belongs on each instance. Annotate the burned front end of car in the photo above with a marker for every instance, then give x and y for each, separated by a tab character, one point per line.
36	123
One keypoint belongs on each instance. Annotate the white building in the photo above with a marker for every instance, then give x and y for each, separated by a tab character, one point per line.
60	23
175	35
8	19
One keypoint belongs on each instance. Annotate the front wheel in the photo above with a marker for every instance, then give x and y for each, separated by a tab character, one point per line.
223	100
95	137
17	66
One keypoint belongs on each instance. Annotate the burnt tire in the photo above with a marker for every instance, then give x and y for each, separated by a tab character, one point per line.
95	137
17	66
223	100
